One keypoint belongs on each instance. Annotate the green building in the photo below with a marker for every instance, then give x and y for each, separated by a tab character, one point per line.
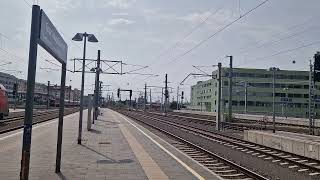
291	92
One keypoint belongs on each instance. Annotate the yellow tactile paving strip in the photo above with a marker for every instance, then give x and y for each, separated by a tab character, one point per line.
150	167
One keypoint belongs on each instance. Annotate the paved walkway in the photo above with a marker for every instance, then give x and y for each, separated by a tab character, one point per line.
116	148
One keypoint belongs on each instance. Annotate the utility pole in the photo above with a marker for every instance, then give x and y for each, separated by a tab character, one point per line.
48	95
178	98
273	102
166	95
96	91
245	97
218	107
230	90
145	96
150	100
100	93
311	93
130	95
273	69
161	100
182	97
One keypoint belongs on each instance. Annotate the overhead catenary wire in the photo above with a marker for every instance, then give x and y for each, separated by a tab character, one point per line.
280	52
292	27
177	43
293	35
217	32
27	3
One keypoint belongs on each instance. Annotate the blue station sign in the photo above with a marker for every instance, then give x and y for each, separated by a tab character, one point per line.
51	40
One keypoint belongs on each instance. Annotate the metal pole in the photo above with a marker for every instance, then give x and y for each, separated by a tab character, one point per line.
90	98
48	95
230	90
61	114
96	91
161	100
82	89
245	97
310	98
150	100
166	95
273	100
218	108
145	97
178	98
26	146
130	95
99	94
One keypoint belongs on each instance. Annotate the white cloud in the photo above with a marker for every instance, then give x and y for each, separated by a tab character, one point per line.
120	14
196	17
214	19
121	4
120	21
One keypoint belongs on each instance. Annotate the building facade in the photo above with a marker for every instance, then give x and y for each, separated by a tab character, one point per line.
291	92
40	90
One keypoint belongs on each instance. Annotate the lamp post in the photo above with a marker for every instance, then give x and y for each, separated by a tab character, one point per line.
91	38
273	69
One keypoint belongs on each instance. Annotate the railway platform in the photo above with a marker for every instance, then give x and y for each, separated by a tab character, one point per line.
116	148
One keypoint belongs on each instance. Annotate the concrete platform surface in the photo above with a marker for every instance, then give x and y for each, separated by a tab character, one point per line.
116	148
301	144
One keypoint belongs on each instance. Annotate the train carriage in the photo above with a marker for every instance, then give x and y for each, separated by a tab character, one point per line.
4	105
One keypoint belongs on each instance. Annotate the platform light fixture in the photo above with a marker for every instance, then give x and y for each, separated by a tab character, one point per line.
91	38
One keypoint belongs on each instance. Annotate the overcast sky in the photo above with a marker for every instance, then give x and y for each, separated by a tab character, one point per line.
157	33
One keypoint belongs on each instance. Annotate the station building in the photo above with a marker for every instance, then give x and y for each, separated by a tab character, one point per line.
40	90
291	92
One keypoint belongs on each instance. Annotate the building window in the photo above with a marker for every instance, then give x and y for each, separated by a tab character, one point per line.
250	103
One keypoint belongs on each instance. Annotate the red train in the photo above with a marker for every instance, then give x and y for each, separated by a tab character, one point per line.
4	104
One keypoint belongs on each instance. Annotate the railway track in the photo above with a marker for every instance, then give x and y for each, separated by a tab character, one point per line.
241	124
297	167
237	120
16	121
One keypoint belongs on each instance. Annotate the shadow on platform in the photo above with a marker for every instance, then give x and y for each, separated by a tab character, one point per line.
61	176
95	131
108	160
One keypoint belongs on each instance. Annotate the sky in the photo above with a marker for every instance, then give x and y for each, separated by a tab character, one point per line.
167	36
